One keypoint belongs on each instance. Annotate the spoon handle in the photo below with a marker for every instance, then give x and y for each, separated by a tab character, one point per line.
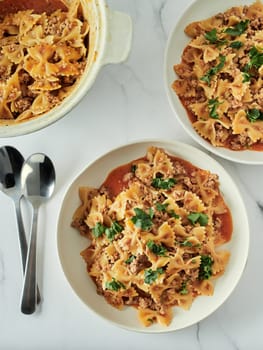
21	233
23	240
29	292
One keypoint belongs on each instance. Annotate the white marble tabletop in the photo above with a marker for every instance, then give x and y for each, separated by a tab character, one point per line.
126	103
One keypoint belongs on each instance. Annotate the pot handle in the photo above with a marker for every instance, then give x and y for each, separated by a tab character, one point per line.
118	41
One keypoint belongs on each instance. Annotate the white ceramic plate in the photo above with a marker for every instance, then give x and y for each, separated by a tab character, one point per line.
178	40
70	243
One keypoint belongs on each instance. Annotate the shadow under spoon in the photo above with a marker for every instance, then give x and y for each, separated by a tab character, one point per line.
11	162
38	182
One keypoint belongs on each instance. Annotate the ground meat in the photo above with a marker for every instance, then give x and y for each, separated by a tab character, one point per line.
22	104
212	181
81	226
188	183
179	168
140	263
240	142
257	23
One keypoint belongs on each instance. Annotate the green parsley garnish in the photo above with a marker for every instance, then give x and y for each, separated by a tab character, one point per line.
173	214
113	230
142	219
214	70
213	103
186	243
184	289
98	229
161	207
254	115
130	259
157	249
237	29
133	168
150	276
256	57
110	232
164	184
213	39
205	268
236	44
114	285
256	61
246	77
200	218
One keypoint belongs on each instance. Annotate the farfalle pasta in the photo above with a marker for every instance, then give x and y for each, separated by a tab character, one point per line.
220	78
155	227
42	57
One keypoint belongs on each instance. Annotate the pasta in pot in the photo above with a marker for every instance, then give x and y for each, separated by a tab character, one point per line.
43	55
220	78
154	226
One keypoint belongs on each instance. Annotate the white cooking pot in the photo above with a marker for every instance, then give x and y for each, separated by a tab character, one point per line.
109	42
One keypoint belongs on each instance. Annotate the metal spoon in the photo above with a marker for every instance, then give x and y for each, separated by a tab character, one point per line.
11	162
38	182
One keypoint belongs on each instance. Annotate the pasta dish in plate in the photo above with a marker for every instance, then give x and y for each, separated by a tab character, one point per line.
220	78
155	226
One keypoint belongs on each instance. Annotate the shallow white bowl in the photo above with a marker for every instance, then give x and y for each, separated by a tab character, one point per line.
70	243
110	37
178	40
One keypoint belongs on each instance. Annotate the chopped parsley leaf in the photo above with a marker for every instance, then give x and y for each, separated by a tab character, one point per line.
256	57
130	259
205	268
164	184
256	61
98	229
157	249
213	103
214	70
246	77
254	115
113	230
114	285
213	39
184	289
237	29
161	207
133	168
236	44
142	219
150	276
173	214
196	217
186	243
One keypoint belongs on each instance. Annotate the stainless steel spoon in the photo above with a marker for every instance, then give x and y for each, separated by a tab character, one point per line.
11	162
38	182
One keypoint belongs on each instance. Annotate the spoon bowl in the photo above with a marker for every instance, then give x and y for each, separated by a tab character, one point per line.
38	182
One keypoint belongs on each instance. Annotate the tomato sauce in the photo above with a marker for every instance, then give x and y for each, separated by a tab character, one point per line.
114	182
